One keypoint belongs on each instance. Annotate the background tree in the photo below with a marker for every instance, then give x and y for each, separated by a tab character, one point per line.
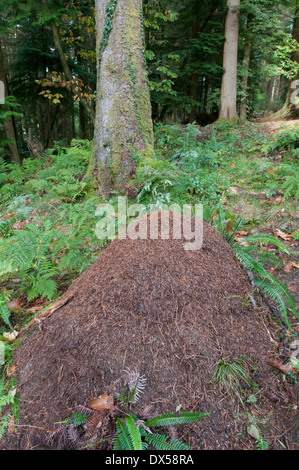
294	57
228	109
7	116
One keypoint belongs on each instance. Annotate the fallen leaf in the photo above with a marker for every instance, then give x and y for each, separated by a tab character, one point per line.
8	216
288	267
284	368
11	425
19	225
266	201
283	235
11	370
11	336
278	199
253	431
35	309
14	303
104	402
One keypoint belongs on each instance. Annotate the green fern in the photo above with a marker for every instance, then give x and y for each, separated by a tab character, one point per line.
4	422
129	436
163	442
5	313
290	186
123	440
295	235
78	419
268	284
171	419
134	432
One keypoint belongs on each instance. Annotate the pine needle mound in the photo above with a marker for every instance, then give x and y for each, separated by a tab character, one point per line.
151	305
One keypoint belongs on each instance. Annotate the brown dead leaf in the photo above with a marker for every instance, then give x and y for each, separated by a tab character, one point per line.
104	402
10	337
16	303
35	309
19	225
11	425
266	201
11	370
285	236
288	267
284	368
8	216
278	199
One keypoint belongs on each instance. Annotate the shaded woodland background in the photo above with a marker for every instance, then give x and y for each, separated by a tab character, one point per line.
48	59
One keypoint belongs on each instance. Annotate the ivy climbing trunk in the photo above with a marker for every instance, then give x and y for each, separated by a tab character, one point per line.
228	109
123	125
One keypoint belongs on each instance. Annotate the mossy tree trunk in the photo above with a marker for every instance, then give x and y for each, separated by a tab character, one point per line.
123	125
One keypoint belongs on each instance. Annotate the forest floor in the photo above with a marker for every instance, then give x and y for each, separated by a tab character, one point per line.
246	176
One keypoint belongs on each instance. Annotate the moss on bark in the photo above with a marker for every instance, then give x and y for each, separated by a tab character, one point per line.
123	121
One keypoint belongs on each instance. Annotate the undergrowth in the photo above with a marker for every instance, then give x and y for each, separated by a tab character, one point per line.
48	217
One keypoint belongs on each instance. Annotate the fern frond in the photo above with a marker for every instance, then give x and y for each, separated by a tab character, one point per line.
264	238
163	442
5	313
171	419
134	433
78	419
123	438
4	422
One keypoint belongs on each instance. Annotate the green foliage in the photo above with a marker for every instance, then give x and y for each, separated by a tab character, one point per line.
163	442
253	258
135	434
287	139
268	284
290	186
231	376
8	402
174	419
4	312
42	250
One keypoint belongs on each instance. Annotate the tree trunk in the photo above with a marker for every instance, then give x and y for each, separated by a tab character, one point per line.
82	122
123	125
244	81
9	127
228	110
194	79
295	58
269	94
